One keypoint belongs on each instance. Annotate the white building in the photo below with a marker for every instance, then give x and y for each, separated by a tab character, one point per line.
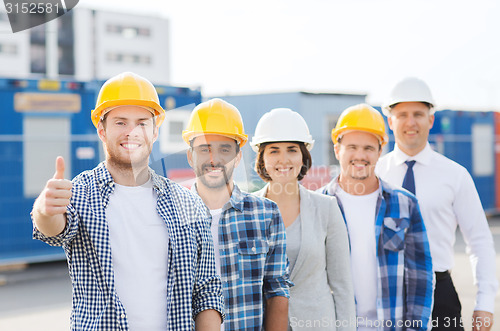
91	44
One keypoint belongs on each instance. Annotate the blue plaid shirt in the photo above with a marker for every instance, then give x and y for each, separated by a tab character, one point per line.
254	266
405	286
193	285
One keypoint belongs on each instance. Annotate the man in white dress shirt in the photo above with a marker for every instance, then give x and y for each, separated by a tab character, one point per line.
447	198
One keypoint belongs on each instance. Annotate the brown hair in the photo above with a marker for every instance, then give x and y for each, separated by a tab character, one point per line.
260	167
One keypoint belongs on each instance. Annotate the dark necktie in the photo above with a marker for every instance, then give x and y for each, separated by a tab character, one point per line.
409	180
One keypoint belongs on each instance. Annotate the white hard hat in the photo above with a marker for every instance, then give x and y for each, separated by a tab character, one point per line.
410	89
281	124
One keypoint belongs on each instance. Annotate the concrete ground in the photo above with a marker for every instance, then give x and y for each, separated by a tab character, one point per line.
38	297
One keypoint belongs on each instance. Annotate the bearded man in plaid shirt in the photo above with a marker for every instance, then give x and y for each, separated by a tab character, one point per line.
248	232
139	250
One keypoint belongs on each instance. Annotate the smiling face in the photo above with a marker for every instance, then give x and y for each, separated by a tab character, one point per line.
283	161
128	134
358	153
411	123
213	159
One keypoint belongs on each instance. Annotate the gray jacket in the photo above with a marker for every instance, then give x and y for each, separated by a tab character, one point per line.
323	295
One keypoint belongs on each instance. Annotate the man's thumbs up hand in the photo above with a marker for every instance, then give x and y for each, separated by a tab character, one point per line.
57	193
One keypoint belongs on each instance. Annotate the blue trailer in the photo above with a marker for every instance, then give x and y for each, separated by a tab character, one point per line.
42	119
468	138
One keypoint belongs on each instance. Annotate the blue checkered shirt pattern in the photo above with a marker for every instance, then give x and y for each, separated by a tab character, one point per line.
254	267
193	285
405	284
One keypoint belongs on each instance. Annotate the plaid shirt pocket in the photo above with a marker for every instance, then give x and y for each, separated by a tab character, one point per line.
394	231
252	257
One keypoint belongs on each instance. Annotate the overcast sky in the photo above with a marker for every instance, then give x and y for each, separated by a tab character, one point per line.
359	46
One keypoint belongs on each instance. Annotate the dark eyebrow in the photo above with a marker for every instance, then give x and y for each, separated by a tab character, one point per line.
125	118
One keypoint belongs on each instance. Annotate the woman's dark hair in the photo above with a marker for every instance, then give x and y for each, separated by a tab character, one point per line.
261	169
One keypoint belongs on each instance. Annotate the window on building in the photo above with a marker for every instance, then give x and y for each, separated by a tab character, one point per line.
144	32
66	44
171	131
38	53
38	59
37	32
66	60
8	49
128	58
128	31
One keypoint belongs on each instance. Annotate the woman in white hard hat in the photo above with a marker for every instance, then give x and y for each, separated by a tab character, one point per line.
317	243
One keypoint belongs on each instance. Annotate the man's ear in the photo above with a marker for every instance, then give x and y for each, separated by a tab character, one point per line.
189	155
336	149
389	121
431	121
101	131
238	158
156	132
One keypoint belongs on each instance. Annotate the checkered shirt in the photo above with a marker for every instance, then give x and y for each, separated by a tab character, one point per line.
405	277
193	285
254	267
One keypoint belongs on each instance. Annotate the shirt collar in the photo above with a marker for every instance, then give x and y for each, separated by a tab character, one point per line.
235	201
107	184
160	186
104	178
424	156
333	187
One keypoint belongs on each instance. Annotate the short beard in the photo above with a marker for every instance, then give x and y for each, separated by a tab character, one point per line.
359	177
214	185
353	175
127	165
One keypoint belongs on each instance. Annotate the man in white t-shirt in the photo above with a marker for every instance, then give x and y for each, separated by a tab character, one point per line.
447	197
248	232
390	256
138	245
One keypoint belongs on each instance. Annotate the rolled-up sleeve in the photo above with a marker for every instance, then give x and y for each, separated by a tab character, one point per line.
207	292
66	235
276	275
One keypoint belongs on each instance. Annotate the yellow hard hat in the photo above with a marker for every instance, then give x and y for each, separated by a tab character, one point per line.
361	117
127	89
215	116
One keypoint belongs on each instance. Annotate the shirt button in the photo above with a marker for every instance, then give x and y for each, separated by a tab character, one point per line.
254	249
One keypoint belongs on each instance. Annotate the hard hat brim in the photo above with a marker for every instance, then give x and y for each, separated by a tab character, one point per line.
187	136
383	139
97	112
386	109
256	144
